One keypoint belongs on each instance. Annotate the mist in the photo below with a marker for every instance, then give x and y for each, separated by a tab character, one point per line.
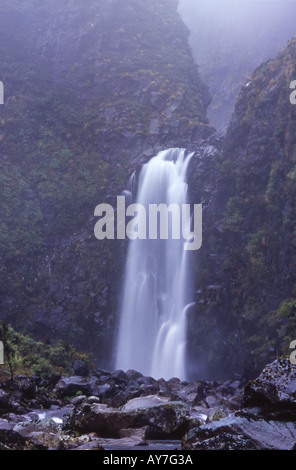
229	39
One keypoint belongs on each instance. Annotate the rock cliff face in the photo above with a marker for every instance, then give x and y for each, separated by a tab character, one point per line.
245	295
229	40
91	91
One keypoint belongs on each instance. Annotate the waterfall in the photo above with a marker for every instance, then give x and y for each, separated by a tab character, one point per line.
156	295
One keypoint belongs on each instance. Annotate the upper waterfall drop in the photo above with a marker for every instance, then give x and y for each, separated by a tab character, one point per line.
156	292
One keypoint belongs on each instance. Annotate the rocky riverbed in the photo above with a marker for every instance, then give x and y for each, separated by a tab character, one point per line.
96	410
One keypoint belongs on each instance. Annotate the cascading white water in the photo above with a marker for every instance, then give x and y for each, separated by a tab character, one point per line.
155	298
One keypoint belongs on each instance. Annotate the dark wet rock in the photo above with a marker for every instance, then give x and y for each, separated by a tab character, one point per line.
211	401
5	424
45	441
51	381
58	414
118	388
26	386
237	433
78	400
233	386
115	410
148	382
191	393
133	374
17	408
24	393
41	425
174	381
4	400
92	400
117	399
99	389
102	374
274	389
213	438
42	434
199	415
164	417
234	403
13	418
163	387
80	368
12	439
70	386
120	377
145	402
200	390
100	418
216	414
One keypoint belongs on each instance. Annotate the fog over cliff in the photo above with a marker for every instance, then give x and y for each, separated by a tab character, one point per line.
230	38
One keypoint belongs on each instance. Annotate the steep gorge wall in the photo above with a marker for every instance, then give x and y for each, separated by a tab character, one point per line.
245	276
229	39
91	91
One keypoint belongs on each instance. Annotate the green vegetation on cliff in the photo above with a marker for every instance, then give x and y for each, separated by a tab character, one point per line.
90	87
92	90
249	254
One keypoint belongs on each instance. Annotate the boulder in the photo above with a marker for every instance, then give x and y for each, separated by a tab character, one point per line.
101	390
4	400
26	386
211	401
133	374
216	414
70	386
275	388
5	424
100	418
163	417
140	403
191	393
42	434
46	425
237	433
120	377
80	368
11	439
45	441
